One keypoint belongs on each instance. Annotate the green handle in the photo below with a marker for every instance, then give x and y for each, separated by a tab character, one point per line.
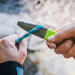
50	33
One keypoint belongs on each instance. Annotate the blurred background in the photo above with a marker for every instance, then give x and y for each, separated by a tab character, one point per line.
52	14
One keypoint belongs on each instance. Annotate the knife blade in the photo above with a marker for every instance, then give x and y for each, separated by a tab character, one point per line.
28	34
43	32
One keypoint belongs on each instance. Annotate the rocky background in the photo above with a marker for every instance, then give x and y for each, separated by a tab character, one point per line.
52	14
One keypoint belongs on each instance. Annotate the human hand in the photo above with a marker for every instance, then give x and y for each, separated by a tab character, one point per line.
9	52
67	49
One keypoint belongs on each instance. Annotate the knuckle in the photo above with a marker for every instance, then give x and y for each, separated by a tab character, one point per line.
4	40
66	47
57	35
72	53
74	57
12	46
65	56
56	51
24	53
60	33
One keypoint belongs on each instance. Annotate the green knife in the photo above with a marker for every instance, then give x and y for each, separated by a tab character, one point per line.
43	32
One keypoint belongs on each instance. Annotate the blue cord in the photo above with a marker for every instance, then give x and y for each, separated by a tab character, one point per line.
28	33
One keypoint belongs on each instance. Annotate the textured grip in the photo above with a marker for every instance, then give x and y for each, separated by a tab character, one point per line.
50	33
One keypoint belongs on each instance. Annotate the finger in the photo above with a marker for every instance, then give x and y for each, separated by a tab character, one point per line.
61	35
47	43
23	46
64	47
71	52
9	40
13	37
64	33
74	57
50	45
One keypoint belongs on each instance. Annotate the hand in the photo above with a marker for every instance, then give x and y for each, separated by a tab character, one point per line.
67	49
9	52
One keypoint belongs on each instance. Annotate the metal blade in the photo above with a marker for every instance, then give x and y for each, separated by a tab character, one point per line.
28	26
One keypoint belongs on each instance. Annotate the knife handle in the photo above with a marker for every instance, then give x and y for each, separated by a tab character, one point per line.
50	33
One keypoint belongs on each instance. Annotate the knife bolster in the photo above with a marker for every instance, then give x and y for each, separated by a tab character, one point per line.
49	33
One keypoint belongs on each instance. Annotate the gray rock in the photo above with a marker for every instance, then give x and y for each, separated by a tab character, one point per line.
5	30
3	17
53	64
11	20
36	43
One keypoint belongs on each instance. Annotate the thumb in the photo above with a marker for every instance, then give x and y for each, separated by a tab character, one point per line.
61	35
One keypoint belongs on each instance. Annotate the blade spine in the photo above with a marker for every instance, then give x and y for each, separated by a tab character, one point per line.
26	23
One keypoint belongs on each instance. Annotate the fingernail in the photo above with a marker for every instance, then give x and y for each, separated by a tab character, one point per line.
51	38
69	43
52	45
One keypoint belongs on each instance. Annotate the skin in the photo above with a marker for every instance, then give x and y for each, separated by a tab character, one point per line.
67	49
10	52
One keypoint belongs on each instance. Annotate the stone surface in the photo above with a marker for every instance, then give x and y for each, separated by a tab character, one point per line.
46	24
52	64
3	17
5	30
11	20
36	43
